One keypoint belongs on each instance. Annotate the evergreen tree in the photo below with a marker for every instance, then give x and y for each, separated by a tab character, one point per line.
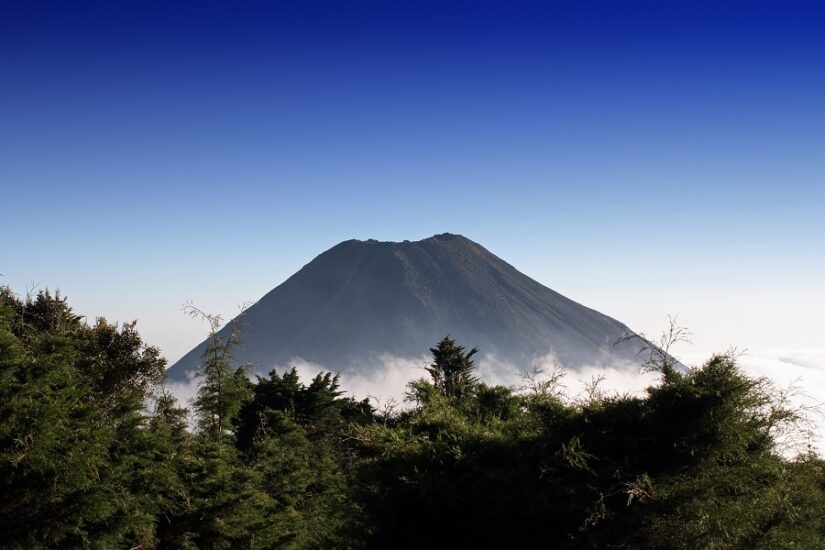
76	469
294	436
452	369
223	389
693	462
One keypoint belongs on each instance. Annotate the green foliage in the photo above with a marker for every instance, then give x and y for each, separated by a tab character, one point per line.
225	503
282	401
74	452
294	436
117	362
96	453
691	464
452	369
222	389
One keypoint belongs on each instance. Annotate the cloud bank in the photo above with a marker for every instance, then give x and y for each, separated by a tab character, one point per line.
384	380
803	369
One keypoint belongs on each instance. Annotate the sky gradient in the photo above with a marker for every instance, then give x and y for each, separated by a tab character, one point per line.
643	158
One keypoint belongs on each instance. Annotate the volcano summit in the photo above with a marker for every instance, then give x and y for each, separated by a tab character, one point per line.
361	300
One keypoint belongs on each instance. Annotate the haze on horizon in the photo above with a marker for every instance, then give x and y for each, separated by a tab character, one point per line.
641	158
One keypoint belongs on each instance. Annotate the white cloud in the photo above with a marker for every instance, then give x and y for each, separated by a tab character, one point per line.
803	369
385	378
388	376
618	378
184	391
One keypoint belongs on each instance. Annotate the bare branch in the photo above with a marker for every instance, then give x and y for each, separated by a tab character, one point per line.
660	357
541	381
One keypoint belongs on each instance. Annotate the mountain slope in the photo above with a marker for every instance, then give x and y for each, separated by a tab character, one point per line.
361	299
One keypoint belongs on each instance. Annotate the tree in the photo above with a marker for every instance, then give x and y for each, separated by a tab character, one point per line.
223	389
294	436
78	466
452	369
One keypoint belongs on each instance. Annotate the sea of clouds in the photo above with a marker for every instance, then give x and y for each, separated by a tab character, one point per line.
386	380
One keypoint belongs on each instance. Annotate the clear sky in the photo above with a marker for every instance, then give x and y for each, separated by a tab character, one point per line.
643	158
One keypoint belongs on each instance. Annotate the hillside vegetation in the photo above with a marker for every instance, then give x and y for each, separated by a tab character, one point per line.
96	453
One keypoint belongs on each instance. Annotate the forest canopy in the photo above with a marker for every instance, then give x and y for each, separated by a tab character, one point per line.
95	452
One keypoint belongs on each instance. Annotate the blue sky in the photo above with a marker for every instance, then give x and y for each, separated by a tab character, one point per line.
644	158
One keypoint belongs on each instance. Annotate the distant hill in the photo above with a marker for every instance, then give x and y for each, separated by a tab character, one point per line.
361	299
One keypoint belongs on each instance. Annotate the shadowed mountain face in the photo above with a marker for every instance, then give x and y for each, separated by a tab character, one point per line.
362	299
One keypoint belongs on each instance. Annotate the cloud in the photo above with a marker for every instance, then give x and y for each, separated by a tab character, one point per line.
786	366
382	379
618	378
184	391
385	378
803	369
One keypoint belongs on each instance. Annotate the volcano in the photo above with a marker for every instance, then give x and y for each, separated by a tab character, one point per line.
363	300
